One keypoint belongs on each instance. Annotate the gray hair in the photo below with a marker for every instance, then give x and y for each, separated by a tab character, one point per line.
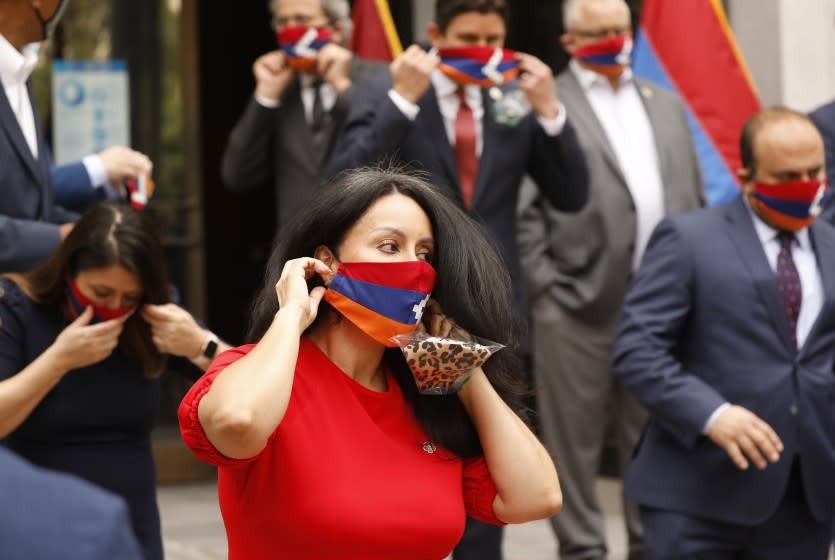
572	12
337	11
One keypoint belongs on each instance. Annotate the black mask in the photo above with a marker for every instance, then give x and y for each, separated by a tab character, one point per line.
49	24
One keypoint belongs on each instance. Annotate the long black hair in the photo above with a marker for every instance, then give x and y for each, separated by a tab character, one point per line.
108	234
473	287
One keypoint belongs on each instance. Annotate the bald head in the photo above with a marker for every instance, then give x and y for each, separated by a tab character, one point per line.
581	14
780	144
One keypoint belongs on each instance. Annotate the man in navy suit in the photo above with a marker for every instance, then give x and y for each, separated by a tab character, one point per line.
31	225
48	515
824	119
727	336
476	144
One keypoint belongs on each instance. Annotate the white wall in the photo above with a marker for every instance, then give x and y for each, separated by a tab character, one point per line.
789	46
807	28
423	11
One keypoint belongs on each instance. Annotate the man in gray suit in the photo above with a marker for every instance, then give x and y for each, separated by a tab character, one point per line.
642	166
288	128
31	226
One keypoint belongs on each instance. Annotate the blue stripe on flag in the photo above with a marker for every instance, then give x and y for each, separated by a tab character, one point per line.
473	68
720	182
791	208
602	59
394	303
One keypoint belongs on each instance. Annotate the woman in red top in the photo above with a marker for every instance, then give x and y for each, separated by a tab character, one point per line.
325	447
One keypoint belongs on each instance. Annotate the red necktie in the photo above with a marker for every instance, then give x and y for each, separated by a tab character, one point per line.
788	282
465	149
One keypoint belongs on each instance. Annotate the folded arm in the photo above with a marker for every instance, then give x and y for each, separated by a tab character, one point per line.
522	470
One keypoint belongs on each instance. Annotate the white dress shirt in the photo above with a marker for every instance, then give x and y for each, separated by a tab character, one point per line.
626	124
15	69
811	287
96	171
326	92
807	268
448	102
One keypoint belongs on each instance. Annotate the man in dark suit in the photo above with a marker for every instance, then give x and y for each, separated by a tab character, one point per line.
475	144
48	515
824	119
411	117
288	127
642	166
31	225
728	337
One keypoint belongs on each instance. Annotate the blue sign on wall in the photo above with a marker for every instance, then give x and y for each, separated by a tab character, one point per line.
90	107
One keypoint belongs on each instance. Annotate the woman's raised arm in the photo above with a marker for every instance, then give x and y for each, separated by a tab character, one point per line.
249	398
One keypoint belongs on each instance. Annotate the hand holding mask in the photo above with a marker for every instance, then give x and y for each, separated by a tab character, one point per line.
441	365
301	45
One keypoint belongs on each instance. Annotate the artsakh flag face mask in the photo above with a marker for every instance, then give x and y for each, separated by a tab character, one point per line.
382	299
608	57
138	191
78	302
791	205
302	44
481	66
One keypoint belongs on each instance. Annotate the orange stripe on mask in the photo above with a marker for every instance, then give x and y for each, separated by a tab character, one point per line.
377	326
780	220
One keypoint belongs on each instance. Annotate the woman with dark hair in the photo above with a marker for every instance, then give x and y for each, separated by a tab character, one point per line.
83	343
325	446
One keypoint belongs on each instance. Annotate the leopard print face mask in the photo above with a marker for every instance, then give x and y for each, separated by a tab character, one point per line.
440	365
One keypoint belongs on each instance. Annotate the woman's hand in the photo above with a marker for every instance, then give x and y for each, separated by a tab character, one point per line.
249	398
78	345
437	324
81	344
173	330
291	288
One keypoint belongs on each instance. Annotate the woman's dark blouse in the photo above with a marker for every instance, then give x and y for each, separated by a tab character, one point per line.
95	423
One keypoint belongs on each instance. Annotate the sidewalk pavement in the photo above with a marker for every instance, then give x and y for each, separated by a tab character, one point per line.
193	530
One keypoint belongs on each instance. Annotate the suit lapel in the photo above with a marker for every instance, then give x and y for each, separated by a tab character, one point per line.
751	253
583	117
824	247
44	155
436	132
12	129
659	129
489	141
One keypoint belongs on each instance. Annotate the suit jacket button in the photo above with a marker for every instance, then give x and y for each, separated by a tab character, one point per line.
793	409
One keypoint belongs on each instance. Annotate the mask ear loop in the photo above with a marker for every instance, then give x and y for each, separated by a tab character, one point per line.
318	280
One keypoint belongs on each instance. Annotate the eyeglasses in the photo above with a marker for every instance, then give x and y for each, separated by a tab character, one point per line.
602	33
299	20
